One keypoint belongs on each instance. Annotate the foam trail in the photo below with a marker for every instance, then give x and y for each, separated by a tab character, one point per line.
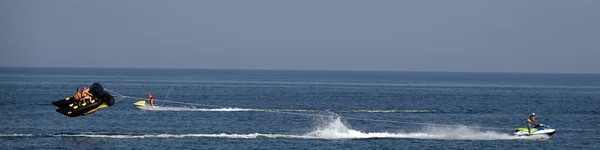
172	108
137	136
300	110
333	131
161	108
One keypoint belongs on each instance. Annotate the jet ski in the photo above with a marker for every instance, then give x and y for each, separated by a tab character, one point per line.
143	105
540	129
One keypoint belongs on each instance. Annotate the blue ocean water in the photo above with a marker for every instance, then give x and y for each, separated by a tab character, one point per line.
266	109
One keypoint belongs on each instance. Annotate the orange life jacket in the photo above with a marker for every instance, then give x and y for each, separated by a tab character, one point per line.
83	93
77	95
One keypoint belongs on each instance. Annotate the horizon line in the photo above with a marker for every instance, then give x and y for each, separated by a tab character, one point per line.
282	69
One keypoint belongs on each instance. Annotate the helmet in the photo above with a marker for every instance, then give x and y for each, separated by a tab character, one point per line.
533	114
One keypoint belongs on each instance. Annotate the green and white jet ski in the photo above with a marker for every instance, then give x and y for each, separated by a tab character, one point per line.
540	129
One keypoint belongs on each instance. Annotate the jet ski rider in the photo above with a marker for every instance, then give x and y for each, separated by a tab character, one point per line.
151	99
531	121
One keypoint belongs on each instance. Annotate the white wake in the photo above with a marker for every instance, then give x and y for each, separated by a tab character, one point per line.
169	108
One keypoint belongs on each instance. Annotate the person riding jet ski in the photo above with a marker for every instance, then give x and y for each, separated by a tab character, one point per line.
531	121
534	128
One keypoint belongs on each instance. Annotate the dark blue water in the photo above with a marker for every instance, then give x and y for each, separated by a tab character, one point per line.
264	109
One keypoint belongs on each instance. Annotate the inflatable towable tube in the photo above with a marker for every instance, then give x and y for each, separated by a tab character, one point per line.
73	108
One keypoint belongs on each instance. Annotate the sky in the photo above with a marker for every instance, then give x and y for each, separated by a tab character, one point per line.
556	36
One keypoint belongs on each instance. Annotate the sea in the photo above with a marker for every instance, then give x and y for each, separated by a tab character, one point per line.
299	109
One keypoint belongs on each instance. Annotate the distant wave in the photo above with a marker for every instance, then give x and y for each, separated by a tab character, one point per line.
329	129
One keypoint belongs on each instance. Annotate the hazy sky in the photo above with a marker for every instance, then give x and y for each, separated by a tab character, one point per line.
403	35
